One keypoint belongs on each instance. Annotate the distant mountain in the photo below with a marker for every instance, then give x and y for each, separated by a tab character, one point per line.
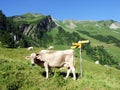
32	24
27	29
73	24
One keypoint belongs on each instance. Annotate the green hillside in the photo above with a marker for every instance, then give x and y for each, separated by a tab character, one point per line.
98	32
17	73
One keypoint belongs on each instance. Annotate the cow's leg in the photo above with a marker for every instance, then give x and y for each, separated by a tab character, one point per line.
68	72
73	71
46	69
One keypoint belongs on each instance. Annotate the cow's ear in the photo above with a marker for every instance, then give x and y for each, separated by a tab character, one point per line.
37	54
27	57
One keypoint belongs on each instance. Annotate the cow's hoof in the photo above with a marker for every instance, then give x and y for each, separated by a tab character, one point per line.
47	78
74	78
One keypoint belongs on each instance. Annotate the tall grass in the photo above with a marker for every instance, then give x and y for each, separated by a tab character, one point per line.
16	73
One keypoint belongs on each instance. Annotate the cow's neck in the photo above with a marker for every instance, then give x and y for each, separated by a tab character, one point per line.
39	62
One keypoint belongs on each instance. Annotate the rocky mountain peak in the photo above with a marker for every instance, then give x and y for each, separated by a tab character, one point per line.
37	29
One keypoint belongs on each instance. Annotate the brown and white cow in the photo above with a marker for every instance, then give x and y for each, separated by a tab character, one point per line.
56	59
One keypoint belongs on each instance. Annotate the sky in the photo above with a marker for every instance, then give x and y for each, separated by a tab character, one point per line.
65	9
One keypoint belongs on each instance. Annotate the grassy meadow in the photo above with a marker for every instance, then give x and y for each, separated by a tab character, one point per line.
16	73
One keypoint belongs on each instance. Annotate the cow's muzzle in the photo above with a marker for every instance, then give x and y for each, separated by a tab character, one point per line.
33	64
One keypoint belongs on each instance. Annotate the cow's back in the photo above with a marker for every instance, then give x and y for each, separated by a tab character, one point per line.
57	58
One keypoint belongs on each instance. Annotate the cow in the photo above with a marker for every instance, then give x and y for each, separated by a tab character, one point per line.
50	47
55	59
96	62
30	48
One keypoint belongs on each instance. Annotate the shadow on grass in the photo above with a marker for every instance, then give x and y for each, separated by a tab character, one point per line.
62	74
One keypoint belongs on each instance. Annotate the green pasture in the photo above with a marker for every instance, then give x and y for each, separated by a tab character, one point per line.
16	73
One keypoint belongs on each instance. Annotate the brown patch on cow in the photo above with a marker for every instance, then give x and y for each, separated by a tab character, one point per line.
68	67
39	62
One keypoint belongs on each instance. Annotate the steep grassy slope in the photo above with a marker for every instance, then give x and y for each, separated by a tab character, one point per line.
17	73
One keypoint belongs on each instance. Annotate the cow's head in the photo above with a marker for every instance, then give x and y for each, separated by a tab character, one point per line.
32	58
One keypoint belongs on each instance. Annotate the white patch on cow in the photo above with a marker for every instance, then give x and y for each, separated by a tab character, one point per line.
96	62
15	38
32	57
30	48
50	47
106	65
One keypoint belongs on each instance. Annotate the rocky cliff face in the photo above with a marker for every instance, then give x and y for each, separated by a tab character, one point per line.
38	29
